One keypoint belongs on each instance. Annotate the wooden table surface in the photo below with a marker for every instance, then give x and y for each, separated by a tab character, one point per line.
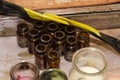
11	54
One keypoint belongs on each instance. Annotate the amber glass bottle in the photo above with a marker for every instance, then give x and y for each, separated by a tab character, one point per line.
39	25
70	47
22	35
33	40
40	60
52	27
53	59
70	30
58	42
83	39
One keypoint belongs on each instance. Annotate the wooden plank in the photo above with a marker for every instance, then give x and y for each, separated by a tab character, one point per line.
45	4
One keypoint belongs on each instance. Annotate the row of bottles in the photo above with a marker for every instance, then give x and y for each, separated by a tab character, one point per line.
48	41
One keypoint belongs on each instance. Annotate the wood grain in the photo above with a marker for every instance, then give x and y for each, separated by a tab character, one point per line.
45	4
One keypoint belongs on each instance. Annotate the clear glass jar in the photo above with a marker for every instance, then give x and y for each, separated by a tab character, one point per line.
24	71
88	64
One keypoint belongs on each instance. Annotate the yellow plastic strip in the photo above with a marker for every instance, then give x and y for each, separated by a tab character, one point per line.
77	24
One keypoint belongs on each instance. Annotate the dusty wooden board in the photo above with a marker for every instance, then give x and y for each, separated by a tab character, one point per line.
49	4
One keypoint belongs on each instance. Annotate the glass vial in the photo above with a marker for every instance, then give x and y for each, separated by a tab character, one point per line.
59	40
83	39
33	40
24	71
70	30
52	27
22	35
88	64
40	59
53	59
39	25
70	47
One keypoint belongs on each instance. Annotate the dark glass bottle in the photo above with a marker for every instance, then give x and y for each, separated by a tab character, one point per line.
39	25
33	40
40	56
83	39
52	27
70	30
70	47
22	35
53	59
59	40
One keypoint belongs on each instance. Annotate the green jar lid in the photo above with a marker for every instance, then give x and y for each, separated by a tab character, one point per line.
53	74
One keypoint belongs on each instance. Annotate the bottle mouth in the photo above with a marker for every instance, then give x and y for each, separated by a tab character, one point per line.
39	24
70	30
46	38
79	68
71	40
53	55
33	33
22	27
52	27
59	35
40	48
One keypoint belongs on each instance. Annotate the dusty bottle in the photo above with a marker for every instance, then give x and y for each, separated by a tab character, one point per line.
83	39
39	25
70	30
53	59
52	27
59	39
33	40
22	35
70	47
40	59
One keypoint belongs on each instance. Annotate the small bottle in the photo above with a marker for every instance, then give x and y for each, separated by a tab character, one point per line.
59	39
83	39
39	25
52	27
40	60
70	30
53	59
70	47
22	35
33	40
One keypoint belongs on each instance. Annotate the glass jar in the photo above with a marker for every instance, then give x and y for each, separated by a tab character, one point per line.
24	71
53	74
88	64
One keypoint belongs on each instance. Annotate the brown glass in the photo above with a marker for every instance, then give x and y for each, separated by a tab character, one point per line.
33	40
40	56
52	27
22	35
70	30
59	39
39	25
70	47
53	59
83	39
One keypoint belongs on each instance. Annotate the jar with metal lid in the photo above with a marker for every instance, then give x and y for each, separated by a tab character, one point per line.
22	35
33	40
40	56
53	59
24	71
88	64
